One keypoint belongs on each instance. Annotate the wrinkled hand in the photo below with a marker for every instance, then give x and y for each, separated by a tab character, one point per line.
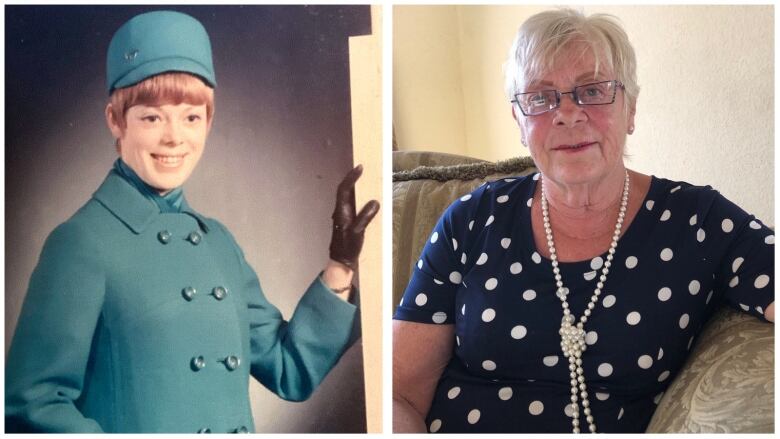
348	228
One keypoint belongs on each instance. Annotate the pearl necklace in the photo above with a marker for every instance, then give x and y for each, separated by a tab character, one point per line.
573	337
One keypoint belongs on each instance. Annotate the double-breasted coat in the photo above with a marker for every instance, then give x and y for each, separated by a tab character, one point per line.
141	321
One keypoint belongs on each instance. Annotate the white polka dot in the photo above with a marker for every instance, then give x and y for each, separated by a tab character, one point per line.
463	258
505	393
438	282
488	315
601	396
455	277
473	416
658	397
509	180
727	225
620	415
569	410
421	299
591	337
463	309
489	220
755	225
684	319
649	205
518	332
709	296
736	264
605	369
694	287
505	242
482	259
631	262
760	310
608	301
761	281
419	264
401	302
457	340
439	317
536	176
667	254
734	281
488	365
666	215
536	258
435	426
633	318
692	221
454	244
664	375
589	275
596	263
660	353
536	408
471	224
770	239
503	198
465	197
516	268
744	307
529	202
676	188
529	295
700	235
434	237
645	361
491	284
453	392
690	342
664	294
550	360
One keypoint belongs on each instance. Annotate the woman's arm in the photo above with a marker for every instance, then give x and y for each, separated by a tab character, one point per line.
420	353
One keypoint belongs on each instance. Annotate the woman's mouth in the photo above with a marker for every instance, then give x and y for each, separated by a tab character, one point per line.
574	148
168	160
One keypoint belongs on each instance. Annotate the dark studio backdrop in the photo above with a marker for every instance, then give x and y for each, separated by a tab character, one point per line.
279	145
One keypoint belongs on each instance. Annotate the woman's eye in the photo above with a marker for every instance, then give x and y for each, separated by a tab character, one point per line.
151	118
193	118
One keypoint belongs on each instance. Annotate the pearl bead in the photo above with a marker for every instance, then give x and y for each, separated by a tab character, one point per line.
592	428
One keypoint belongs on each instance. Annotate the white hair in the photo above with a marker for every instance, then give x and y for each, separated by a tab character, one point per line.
543	36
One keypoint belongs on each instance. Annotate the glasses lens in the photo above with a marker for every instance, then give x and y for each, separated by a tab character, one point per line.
597	93
537	102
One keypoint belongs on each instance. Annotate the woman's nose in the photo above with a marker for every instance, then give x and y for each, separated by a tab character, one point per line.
172	135
569	112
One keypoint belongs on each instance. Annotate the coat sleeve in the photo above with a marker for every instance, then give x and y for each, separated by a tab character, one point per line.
292	357
50	349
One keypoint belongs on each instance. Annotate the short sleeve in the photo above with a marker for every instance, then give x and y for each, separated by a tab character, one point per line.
745	274
430	294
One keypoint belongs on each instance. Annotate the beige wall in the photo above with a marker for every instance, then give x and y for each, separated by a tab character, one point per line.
705	111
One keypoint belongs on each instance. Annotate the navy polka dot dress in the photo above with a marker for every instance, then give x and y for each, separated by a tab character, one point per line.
687	251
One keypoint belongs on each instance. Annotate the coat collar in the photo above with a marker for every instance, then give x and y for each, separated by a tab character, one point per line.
131	207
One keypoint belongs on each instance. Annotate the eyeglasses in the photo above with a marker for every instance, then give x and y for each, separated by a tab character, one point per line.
538	102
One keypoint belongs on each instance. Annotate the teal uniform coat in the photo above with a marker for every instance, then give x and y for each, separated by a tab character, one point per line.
141	321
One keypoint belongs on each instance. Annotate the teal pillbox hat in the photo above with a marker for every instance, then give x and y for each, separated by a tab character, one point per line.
158	42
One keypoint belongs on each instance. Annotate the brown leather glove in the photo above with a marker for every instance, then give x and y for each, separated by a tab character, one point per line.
348	229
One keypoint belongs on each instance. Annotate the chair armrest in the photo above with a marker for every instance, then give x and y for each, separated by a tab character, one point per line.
727	384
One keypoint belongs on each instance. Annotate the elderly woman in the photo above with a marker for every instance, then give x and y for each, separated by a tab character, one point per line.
567	301
142	314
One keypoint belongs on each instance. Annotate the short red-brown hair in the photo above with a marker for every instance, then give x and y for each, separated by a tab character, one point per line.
166	88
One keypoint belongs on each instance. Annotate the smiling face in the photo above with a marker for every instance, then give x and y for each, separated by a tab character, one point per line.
577	144
162	143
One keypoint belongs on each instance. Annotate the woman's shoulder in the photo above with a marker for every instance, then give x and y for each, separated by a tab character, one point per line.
507	190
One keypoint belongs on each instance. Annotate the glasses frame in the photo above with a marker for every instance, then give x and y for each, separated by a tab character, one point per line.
558	94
